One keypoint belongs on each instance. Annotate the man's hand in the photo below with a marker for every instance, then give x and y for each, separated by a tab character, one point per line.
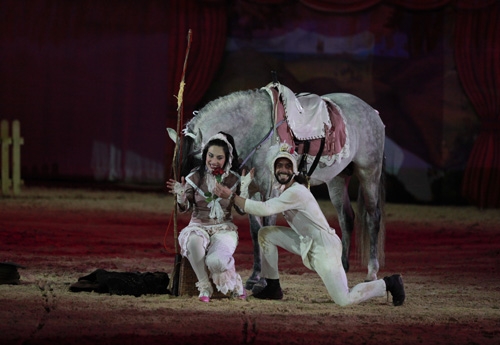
245	182
252	173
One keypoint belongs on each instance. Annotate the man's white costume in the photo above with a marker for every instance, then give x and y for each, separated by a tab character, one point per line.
311	237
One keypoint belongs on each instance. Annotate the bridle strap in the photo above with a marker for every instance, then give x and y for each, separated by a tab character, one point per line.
256	147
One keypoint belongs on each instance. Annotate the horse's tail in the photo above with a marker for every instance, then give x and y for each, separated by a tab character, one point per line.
362	231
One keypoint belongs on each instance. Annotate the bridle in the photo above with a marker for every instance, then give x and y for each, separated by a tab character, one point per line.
255	148
262	141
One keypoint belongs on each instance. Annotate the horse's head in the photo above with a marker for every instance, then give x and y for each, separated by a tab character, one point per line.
247	116
189	150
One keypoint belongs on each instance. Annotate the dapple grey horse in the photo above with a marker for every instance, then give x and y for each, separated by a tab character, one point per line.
249	116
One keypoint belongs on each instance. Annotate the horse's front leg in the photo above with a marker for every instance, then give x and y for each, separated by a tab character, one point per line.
346	222
255	224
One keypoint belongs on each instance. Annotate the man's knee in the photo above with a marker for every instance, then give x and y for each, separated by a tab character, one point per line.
265	237
266	231
342	302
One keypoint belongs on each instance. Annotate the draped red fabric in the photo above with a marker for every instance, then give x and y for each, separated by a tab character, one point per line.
84	77
420	4
208	23
341	6
477	55
475	4
268	2
93	82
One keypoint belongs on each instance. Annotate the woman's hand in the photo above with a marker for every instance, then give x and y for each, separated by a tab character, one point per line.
225	192
178	189
175	187
222	191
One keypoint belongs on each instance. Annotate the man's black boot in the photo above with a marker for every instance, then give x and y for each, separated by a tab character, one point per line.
394	284
271	291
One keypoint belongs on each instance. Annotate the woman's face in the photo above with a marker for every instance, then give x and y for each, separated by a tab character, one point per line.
216	158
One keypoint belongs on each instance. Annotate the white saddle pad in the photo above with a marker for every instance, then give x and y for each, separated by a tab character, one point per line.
306	114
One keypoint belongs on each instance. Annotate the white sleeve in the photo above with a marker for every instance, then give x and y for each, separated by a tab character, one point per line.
289	200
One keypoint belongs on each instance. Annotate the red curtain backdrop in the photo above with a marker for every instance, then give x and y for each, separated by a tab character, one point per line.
79	76
477	54
93	82
208	23
340	6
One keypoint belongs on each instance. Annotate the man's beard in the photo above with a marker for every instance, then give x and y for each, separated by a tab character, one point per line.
290	176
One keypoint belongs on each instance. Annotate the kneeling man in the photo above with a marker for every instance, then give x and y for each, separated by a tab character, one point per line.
309	236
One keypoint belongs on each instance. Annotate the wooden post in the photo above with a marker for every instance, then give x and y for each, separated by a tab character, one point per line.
6	141
17	141
8	180
180	113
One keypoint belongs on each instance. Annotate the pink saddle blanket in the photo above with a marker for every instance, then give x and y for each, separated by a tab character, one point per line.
335	135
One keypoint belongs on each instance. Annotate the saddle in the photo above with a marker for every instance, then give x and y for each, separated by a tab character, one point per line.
306	114
313	125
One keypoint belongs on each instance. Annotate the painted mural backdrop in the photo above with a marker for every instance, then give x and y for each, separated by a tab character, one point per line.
399	61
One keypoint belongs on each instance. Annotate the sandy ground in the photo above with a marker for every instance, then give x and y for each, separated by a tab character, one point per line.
449	257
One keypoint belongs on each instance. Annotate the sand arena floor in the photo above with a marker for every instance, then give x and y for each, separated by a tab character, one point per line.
449	257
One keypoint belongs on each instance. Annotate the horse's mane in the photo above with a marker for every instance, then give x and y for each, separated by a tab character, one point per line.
227	105
246	115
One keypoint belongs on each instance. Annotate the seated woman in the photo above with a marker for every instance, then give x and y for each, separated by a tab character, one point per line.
210	239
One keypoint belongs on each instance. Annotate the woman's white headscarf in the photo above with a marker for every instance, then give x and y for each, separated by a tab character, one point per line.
214	205
229	159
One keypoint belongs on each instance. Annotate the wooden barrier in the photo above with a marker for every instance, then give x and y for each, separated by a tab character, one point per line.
10	177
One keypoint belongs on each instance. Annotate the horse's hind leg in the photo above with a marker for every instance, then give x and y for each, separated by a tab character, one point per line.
370	204
339	196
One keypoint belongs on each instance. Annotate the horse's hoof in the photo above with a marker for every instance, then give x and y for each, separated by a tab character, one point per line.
252	281
249	284
259	286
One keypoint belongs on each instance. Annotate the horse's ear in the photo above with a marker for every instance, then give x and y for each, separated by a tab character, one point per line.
172	134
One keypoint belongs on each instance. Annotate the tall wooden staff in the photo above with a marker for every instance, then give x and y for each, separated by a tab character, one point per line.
180	114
